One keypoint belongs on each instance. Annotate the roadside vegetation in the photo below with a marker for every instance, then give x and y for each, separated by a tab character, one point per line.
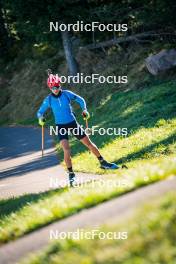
149	152
29	212
149	116
151	239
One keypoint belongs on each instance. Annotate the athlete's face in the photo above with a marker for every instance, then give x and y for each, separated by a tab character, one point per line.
55	89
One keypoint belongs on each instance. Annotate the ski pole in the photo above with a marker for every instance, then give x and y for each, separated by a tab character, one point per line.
87	126
43	140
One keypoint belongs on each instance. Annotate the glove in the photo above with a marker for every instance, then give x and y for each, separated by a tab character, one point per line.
42	121
85	115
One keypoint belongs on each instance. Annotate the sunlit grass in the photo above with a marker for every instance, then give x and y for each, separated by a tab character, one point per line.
149	116
148	150
141	145
55	205
151	239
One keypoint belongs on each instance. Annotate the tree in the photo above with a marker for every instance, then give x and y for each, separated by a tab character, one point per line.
71	61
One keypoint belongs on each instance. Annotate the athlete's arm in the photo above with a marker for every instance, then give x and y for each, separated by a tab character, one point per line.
43	108
77	99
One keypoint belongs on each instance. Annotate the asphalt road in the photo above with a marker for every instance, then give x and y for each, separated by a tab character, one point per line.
23	170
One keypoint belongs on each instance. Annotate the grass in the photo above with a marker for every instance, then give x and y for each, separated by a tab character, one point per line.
148	150
24	214
149	116
151	239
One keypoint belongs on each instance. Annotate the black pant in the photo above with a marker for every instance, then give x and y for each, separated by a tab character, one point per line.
73	127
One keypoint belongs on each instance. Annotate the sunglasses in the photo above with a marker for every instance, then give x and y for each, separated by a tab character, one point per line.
55	88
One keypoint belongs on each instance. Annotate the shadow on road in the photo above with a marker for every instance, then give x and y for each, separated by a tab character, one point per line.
18	142
35	165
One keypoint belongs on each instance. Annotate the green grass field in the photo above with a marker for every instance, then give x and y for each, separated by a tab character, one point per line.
149	116
149	151
151	239
29	212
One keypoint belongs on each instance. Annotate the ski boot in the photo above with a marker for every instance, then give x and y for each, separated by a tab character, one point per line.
108	165
71	178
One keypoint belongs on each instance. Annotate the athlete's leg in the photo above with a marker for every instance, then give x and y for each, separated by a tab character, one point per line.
67	158
91	146
67	152
79	133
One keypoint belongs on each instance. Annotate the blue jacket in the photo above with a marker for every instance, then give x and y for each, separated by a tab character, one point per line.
61	106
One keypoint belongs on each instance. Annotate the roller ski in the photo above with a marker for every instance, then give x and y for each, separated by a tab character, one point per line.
108	165
72	178
111	166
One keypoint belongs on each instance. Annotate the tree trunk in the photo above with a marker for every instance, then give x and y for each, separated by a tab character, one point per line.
141	38
71	61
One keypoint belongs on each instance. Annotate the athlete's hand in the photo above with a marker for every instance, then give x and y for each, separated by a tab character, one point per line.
85	115
42	121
